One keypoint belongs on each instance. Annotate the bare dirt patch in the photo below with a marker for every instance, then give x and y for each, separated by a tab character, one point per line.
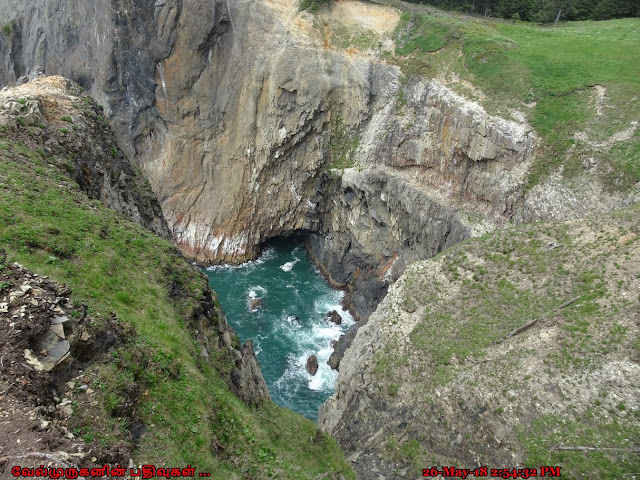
380	19
35	392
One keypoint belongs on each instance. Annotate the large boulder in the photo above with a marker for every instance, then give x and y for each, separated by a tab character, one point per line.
312	365
334	317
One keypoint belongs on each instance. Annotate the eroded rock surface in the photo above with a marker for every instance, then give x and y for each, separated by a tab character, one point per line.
434	378
233	144
73	130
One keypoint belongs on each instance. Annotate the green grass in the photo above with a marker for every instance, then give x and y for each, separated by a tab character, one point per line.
342	145
466	300
344	37
7	29
591	429
516	63
119	269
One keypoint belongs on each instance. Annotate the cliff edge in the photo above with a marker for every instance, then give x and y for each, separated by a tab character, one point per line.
506	350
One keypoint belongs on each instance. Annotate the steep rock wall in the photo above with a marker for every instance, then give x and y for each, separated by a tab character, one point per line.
231	142
372	226
430	171
211	126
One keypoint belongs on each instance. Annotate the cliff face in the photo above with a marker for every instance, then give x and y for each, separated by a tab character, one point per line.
211	126
249	125
430	171
233	143
442	375
58	163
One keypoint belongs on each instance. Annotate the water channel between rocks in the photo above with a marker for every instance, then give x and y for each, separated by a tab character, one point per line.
290	325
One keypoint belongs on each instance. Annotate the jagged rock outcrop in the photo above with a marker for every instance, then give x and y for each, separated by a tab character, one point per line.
373	225
73	130
216	336
440	375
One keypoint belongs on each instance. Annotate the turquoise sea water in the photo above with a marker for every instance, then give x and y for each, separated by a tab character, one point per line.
290	325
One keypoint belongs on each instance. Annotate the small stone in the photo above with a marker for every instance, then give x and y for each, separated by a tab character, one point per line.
67	410
89	391
44	424
4	307
71	385
255	303
25	288
83	388
94	459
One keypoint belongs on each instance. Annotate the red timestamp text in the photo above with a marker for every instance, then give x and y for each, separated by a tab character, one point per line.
486	472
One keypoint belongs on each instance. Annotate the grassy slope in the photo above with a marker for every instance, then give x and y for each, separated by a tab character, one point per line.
469	298
513	64
117	268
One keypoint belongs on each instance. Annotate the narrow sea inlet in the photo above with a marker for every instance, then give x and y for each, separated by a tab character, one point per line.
291	323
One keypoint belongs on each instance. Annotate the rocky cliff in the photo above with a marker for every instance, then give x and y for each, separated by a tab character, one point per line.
121	354
53	119
70	127
233	144
251	121
502	351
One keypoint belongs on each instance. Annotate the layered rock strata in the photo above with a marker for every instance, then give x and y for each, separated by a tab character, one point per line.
233	143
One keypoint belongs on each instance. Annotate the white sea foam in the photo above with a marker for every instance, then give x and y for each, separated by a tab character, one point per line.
266	254
287	267
293	320
256	291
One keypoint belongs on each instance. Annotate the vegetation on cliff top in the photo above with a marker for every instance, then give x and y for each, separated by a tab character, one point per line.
120	270
542	10
556	384
576	83
581	108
